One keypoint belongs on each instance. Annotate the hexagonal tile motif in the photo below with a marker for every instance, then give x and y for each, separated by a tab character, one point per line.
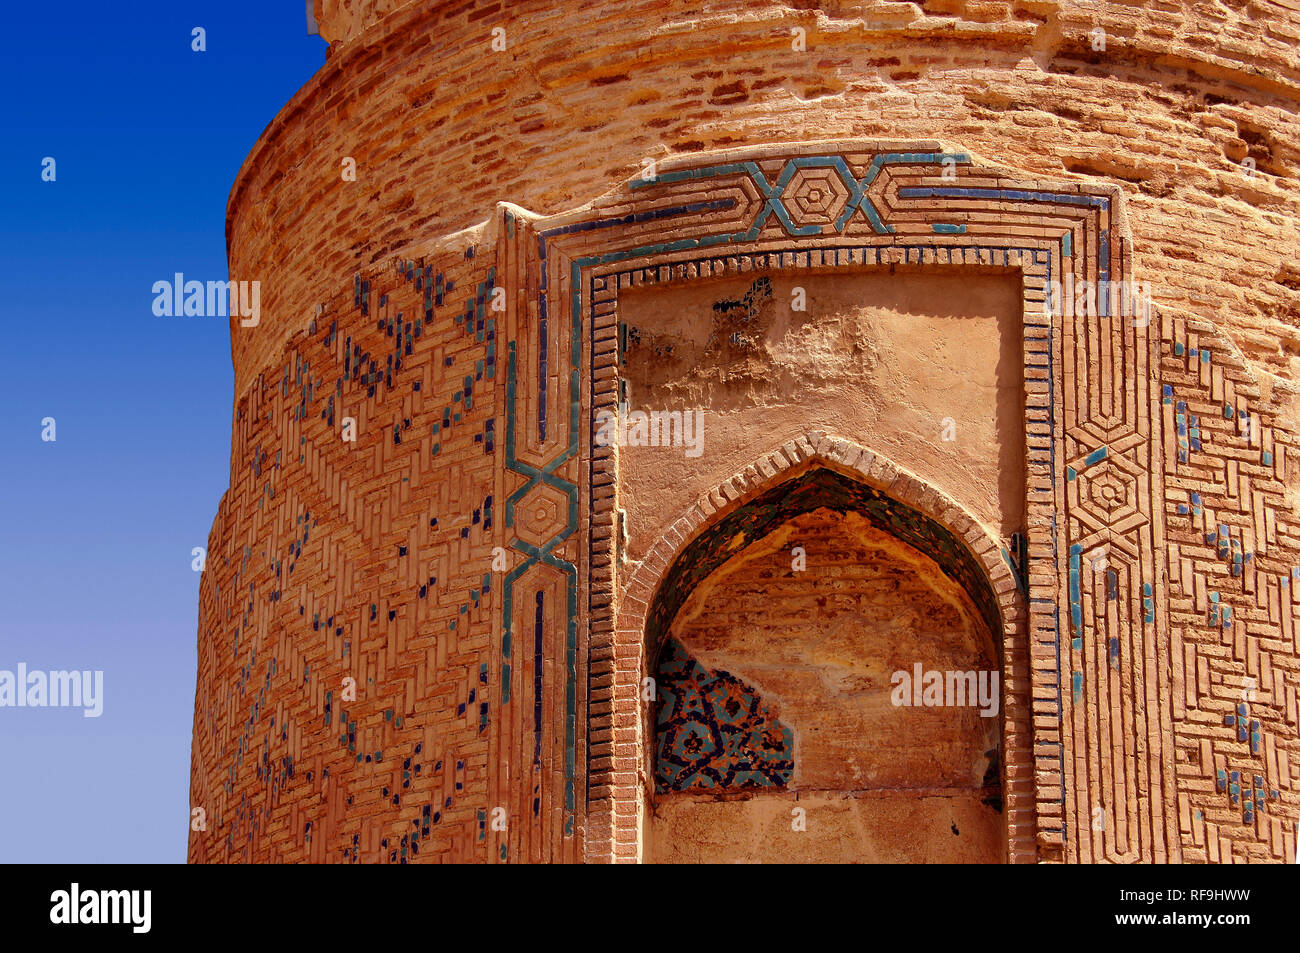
543	512
815	197
1109	492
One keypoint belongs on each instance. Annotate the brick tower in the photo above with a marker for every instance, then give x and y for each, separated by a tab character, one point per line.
722	431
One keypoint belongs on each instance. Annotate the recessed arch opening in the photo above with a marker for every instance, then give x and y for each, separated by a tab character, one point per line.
778	731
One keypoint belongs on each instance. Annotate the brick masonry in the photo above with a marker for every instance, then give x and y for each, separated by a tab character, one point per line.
774	690
1151	702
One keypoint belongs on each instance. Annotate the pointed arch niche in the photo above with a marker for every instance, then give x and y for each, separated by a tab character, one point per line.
1088	478
772	735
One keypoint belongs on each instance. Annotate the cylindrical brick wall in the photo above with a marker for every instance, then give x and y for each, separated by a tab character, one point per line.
373	560
442	127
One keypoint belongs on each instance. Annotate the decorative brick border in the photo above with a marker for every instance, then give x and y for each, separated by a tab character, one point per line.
810	450
615	687
1091	421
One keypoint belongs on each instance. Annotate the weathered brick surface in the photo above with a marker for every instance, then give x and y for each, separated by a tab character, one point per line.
442	128
817	642
486	729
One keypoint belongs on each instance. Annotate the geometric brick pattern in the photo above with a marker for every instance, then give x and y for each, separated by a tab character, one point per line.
917	205
1233	565
1159	566
331	559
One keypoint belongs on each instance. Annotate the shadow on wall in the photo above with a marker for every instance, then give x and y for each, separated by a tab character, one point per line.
925	367
779	734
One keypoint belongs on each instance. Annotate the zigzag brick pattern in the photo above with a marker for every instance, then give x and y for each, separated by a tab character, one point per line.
1233	565
423	627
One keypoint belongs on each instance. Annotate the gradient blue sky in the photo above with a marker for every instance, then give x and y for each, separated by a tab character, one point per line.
96	528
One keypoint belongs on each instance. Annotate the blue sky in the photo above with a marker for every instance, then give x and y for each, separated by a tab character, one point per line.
96	528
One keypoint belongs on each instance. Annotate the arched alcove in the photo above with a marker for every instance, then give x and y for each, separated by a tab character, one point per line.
780	730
